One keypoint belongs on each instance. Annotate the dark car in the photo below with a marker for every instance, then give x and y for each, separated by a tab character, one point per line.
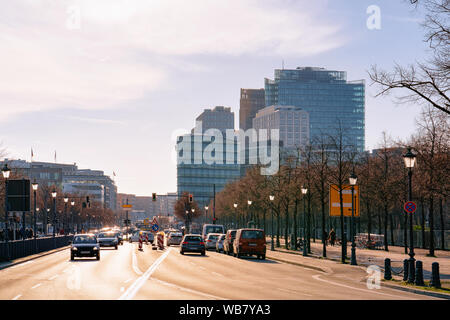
228	243
193	243
249	242
108	239
119	236
85	245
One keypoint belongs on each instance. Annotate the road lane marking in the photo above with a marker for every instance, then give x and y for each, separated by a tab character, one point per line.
134	288
36	286
217	274
122	289
295	292
354	288
168	284
16	297
134	262
54	277
126	281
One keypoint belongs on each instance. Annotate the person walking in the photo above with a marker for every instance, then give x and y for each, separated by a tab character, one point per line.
332	237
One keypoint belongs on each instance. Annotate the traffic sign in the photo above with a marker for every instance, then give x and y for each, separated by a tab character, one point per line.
335	204
127	206
155	227
410	207
154	221
146	221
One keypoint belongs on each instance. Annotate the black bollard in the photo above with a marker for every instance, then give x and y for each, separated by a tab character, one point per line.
387	269
419	274
405	270
435	279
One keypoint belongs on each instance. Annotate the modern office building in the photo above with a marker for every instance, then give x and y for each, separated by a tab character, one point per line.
328	98
220	118
251	101
292	123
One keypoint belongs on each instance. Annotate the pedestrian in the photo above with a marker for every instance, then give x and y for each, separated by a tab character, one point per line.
332	237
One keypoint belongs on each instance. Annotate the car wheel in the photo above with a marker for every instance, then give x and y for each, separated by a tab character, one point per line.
181	252
203	253
238	255
72	257
263	257
98	256
115	247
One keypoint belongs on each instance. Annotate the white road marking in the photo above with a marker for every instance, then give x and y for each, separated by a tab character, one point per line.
38	285
126	281
354	288
295	292
134	262
122	289
134	288
217	274
16	297
54	277
188	290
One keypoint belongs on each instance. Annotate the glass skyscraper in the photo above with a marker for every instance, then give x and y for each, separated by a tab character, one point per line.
328	98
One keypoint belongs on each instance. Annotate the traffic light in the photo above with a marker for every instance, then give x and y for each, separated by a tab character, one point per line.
153	196
191	198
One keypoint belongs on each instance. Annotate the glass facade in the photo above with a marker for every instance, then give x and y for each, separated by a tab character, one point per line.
328	98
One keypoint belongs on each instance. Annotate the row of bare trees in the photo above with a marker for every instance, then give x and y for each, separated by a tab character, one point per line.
382	180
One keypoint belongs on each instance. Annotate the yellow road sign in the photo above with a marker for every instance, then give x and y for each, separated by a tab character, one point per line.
335	204
127	206
146	221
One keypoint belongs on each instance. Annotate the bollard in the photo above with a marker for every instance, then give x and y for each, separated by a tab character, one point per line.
419	273
435	279
387	269
405	269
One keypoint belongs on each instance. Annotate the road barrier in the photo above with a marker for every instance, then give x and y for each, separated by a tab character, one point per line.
419	274
160	241
22	248
435	279
387	269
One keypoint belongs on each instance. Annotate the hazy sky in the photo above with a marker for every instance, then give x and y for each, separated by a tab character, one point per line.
109	83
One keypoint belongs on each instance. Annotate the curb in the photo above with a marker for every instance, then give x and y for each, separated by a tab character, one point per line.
297	264
417	291
34	257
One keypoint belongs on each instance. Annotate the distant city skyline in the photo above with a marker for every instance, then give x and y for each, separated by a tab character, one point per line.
113	89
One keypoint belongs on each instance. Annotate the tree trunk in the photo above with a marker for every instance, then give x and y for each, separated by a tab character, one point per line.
431	217
286	226
391	223
295	224
441	214
386	248
369	221
422	222
324	240
343	240
278	227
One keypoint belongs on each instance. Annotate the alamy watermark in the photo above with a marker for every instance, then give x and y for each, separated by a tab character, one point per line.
211	147
374	278
373	22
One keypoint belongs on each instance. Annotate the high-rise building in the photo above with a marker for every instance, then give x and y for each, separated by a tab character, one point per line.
220	118
252	100
292	123
328	98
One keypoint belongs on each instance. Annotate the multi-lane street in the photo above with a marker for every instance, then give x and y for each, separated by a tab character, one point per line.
128	273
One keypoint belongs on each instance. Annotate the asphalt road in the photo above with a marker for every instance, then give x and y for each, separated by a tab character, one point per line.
127	273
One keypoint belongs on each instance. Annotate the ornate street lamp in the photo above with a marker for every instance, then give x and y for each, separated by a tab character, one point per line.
353	179
66	200
250	213
305	247
35	186
5	172
235	213
410	160
54	194
206	214
72	203
271	198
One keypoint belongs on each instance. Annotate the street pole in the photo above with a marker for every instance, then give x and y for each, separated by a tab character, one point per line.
411	267
214	205
54	218
35	217
353	257
6	218
305	247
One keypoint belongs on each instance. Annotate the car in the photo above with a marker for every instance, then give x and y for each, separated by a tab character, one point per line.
108	239
84	245
193	243
211	240
250	241
119	236
135	236
219	243
228	243
174	238
212	228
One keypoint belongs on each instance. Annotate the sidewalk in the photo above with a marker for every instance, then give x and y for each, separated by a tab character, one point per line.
366	257
11	263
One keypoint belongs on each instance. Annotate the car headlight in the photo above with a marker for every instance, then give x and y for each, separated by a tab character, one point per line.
74	248
95	248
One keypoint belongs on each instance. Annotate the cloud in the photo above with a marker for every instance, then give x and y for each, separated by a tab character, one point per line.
99	54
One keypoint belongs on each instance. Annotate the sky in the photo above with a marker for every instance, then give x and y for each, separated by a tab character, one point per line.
109	84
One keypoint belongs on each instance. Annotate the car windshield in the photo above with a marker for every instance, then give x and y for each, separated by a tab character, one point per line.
106	235
84	239
213	237
193	238
252	234
175	235
214	229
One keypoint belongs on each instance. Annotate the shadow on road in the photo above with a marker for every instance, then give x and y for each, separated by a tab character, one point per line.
84	260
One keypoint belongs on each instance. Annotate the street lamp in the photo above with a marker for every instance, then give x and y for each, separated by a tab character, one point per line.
249	204
54	194
410	160
5	172
271	198
305	249
206	213
352	179
72	203
66	200
35	186
235	212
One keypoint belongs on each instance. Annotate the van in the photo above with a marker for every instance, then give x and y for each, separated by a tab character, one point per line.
212	228
250	241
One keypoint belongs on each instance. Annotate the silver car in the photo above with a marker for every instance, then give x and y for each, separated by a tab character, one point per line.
219	243
211	240
108	239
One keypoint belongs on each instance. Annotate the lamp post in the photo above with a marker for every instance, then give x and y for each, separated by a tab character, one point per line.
72	203
410	160
5	172
187	222
35	186
54	194
249	204
271	198
66	200
206	214
352	179
305	247
235	211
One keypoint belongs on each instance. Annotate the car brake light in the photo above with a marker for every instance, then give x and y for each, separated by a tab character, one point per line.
209	240
202	243
185	242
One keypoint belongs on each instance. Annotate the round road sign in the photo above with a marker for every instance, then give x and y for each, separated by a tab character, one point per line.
155	227
410	207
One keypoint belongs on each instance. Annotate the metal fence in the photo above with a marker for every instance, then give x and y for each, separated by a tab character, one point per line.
22	248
